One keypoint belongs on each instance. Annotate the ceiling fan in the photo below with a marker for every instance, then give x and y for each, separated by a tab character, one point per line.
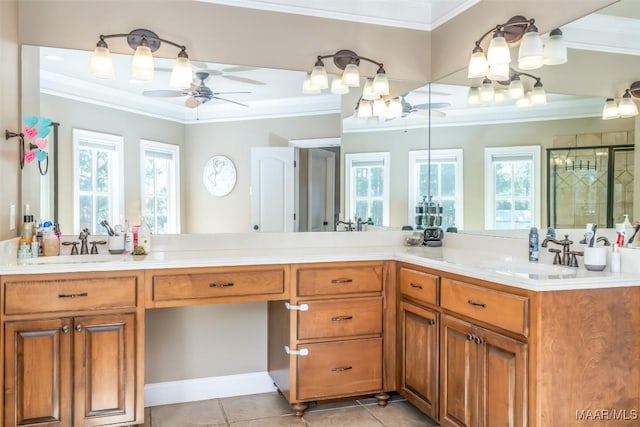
422	109
224	72
198	93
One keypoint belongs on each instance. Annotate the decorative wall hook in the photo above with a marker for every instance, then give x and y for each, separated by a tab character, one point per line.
37	129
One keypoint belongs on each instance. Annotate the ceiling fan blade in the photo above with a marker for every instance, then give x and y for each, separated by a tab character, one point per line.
227	93
433	105
237	69
244	80
210	72
228	100
163	93
191	102
434	113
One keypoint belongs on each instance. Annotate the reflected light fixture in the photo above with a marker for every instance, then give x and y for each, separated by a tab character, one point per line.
532	53
488	94
627	106
144	42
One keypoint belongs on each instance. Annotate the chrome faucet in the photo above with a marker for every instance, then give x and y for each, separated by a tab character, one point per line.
84	248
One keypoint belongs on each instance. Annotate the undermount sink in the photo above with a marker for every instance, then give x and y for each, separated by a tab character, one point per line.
75	259
530	270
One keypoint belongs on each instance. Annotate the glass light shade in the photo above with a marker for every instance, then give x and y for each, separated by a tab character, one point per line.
627	107
307	87
181	75
379	107
364	109
555	50
319	77
538	95
516	90
394	108
473	97
142	64
381	84
525	101
101	65
478	66
351	75
498	72
530	53
498	52
367	91
337	87
486	91
500	95
610	110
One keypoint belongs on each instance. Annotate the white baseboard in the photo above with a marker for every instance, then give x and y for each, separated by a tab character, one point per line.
207	388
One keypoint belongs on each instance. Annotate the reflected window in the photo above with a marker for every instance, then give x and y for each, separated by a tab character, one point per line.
445	185
160	186
512	187
98	180
367	184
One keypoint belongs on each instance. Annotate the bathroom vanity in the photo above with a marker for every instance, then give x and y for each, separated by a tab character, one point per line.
470	345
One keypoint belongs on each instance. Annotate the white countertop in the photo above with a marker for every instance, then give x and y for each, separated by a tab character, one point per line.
532	276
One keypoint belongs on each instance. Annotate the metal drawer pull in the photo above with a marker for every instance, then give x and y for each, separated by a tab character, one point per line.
301	307
81	294
338	281
477	304
342	368
413	285
220	285
340	318
301	352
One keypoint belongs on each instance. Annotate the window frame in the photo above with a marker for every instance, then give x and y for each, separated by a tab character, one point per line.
350	158
82	138
173	202
491	153
438	154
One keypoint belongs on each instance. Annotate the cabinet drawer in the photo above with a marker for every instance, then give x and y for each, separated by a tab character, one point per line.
419	285
338	281
341	318
504	310
340	369
75	294
211	285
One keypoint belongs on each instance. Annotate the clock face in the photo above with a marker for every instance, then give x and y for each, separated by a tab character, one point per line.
219	175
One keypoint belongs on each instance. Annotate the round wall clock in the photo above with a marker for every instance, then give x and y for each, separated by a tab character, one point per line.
219	175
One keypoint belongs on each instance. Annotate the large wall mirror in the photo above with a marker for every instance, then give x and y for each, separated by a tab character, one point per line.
438	117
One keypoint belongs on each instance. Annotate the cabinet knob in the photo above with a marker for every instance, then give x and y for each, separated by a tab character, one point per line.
431	322
65	329
479	340
470	337
79	327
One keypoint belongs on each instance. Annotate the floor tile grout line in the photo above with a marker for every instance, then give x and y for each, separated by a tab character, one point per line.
224	413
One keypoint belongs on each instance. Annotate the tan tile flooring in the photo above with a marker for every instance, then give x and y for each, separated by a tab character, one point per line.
272	410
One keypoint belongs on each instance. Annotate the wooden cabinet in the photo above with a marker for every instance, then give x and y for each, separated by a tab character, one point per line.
76	360
328	340
483	378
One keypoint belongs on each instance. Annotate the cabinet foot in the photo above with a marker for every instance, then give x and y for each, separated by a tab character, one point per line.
383	399
299	408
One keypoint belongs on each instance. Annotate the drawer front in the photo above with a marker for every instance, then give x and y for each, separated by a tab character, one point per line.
76	294
419	285
211	285
341	318
504	310
340	369
338	281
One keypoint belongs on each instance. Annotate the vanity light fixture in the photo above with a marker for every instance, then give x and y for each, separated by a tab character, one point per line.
144	42
488	94
626	108
531	55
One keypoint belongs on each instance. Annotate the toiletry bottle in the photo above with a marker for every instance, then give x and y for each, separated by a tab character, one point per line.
533	245
128	238
144	236
50	241
628	230
615	259
35	247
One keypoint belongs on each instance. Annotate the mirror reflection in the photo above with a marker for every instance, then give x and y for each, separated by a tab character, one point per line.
438	127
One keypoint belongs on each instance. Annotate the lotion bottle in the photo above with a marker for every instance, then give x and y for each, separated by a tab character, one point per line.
615	259
144	236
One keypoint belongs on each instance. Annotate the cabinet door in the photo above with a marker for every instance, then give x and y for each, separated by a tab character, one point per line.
420	357
458	373
502	380
104	363
37	373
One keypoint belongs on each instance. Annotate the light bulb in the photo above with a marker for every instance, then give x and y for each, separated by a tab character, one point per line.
530	52
337	87
555	50
610	110
516	90
538	95
478	66
318	76
499	72
351	75
101	65
627	107
381	83
307	87
367	91
142	64
486	91
181	75
498	52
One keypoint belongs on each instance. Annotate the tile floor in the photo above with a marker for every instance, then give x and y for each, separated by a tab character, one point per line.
272	410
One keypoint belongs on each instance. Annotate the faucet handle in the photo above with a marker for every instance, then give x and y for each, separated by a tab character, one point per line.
574	260
74	249
94	249
556	259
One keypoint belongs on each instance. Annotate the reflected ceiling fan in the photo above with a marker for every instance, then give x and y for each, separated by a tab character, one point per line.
198	93
422	109
224	73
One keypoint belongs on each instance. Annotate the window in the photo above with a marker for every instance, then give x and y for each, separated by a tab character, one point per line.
160	179
367	184
512	187
446	184
98	180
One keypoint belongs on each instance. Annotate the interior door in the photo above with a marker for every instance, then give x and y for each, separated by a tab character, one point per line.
273	189
321	189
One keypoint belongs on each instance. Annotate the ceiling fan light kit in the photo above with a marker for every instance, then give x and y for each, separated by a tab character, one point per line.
144	43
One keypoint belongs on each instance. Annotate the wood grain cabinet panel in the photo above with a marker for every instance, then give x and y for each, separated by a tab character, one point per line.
340	318
418	285
339	281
